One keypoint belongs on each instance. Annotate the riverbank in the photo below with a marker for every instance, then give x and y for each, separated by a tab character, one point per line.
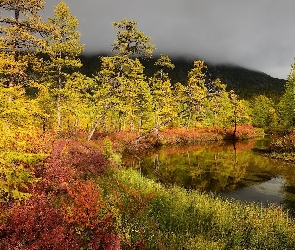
282	156
128	142
281	148
154	217
78	197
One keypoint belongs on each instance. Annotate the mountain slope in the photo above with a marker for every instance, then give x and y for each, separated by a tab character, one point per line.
246	83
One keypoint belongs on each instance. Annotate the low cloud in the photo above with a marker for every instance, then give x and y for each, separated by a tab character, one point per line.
255	34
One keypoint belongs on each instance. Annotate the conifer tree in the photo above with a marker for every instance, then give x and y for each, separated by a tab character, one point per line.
18	123
193	94
145	103
164	62
121	79
287	103
163	100
240	112
218	109
77	105
20	39
63	48
234	101
263	112
130	41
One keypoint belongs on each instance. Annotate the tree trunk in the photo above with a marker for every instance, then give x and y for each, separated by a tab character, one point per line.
58	112
105	107
59	101
156	120
132	126
14	51
119	122
156	128
139	125
93	128
189	120
235	124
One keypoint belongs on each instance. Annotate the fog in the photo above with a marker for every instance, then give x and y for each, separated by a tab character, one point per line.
258	35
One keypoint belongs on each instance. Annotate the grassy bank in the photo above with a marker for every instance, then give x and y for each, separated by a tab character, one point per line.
282	148
154	217
76	197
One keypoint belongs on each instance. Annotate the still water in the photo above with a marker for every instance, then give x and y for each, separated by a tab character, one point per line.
231	171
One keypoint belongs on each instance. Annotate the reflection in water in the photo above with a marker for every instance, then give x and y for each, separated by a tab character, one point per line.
231	171
265	193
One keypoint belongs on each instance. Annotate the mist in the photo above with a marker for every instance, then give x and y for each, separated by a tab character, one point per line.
257	35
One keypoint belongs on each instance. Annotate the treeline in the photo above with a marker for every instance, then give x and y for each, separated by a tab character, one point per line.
245	82
42	59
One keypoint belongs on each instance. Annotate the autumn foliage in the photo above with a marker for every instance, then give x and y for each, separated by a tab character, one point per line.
84	210
284	144
65	209
37	225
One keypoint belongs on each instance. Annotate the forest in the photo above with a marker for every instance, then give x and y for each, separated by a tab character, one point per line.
63	131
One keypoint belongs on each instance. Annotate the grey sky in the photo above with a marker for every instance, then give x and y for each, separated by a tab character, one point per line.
256	34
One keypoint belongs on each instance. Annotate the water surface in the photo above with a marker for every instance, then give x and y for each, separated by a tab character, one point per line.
232	171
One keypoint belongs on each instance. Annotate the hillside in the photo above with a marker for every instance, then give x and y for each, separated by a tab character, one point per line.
248	82
245	82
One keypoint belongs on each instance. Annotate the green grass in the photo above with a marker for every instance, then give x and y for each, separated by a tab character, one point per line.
154	217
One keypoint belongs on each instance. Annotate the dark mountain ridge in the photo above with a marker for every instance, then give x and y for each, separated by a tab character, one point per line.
248	83
245	82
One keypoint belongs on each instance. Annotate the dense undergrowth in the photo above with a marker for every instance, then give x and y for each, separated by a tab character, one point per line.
126	141
72	194
282	147
52	202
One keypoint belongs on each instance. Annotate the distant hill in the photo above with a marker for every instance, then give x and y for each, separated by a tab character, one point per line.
246	83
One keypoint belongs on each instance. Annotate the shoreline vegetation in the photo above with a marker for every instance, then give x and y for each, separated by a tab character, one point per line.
281	148
77	196
127	141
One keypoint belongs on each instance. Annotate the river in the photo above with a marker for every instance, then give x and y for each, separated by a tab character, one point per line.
231	171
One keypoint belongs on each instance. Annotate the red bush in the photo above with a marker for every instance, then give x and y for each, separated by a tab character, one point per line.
244	131
109	241
69	161
37	225
81	156
84	210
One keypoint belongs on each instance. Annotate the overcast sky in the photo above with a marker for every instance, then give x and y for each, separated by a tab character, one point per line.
256	34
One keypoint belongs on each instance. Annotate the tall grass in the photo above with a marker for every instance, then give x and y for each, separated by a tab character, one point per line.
154	217
283	147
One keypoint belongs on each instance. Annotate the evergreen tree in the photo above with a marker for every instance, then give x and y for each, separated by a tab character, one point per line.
20	39
121	79
163	100
164	62
145	104
63	48
234	102
218	107
263	112
240	112
21	114
192	96
287	103
130	41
